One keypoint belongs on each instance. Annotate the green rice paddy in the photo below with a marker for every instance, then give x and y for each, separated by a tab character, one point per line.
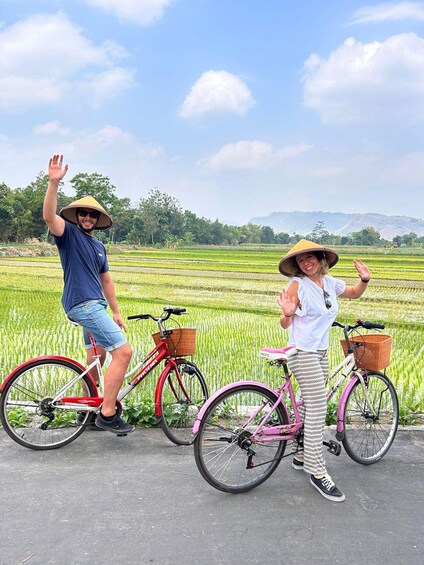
230	295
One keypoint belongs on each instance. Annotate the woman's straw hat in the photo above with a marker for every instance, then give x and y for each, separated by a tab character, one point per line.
288	266
69	212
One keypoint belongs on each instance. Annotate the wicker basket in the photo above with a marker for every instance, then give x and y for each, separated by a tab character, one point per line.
181	342
374	354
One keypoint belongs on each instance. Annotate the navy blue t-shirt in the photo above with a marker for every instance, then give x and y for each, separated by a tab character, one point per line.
83	257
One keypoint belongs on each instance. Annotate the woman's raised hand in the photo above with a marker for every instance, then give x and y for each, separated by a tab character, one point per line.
287	303
362	270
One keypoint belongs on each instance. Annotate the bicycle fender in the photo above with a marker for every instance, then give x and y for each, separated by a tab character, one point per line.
226	388
343	398
342	403
159	386
46	358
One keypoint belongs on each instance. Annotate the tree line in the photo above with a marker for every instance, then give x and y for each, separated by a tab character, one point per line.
157	219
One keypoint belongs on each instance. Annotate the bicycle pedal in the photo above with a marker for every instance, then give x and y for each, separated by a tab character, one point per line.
333	447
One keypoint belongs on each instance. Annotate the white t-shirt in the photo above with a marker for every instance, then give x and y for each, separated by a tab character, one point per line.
312	320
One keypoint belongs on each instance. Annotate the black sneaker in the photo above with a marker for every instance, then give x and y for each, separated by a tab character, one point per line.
297	464
116	426
325	486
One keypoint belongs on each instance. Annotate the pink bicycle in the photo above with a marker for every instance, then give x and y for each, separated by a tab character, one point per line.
242	430
49	401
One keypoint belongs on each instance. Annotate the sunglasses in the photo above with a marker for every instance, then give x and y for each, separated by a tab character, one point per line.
327	299
92	213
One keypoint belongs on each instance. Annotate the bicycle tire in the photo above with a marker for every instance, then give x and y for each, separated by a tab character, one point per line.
25	412
367	436
181	397
221	447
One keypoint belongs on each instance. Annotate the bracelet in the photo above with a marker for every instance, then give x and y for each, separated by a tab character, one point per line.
365	280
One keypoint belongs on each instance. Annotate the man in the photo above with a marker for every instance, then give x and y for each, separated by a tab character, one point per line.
87	283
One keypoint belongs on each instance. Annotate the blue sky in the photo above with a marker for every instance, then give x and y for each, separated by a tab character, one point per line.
237	108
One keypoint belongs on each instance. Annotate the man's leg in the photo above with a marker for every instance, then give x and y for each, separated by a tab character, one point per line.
93	317
114	377
108	419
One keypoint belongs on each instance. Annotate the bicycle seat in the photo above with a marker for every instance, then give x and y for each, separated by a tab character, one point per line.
281	354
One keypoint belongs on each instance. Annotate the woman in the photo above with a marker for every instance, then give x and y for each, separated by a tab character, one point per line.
309	307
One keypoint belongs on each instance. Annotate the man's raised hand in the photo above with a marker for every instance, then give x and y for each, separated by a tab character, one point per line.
56	169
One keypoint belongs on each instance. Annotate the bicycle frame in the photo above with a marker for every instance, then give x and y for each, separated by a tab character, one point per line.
145	366
140	371
287	432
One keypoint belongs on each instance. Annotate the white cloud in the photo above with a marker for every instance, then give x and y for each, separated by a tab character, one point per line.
131	164
389	11
19	93
327	171
141	12
251	155
44	57
107	84
50	128
111	143
407	170
217	91
368	82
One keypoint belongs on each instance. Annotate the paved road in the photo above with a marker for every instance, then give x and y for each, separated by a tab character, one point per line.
140	500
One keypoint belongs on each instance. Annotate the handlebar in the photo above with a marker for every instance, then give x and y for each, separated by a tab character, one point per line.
360	324
347	328
167	312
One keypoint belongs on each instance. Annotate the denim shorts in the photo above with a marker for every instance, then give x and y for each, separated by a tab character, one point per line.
93	317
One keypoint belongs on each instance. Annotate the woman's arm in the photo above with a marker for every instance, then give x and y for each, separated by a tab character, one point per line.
360	287
288	302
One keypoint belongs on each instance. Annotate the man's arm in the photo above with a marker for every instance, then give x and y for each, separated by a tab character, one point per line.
109	291
55	223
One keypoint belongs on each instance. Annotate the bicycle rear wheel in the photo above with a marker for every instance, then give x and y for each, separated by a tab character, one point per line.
370	419
27	413
183	394
226	456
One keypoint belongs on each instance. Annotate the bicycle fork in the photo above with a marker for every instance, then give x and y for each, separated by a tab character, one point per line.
343	399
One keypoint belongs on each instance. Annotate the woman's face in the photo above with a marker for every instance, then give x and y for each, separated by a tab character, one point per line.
308	263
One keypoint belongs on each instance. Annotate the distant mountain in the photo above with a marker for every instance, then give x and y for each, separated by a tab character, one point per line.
339	223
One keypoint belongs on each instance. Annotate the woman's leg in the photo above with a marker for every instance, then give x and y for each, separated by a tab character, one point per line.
310	369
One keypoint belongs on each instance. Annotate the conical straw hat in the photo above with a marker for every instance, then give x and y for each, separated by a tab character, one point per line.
288	266
69	212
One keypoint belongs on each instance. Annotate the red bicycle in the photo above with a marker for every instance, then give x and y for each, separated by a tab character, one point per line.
49	401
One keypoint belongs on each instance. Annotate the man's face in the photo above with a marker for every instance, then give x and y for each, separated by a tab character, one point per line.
87	219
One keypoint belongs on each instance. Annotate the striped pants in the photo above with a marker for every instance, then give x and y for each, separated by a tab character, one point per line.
311	370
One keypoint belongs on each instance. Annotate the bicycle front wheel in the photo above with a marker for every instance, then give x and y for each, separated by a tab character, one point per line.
26	409
183	394
226	454
370	419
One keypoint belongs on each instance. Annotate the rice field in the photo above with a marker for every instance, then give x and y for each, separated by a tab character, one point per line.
230	295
